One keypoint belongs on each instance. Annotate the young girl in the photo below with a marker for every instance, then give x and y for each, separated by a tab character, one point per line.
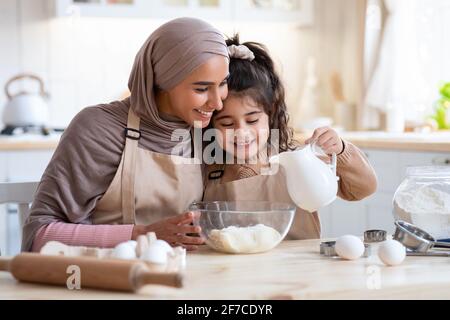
255	105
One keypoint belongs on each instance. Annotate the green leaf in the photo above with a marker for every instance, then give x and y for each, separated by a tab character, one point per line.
440	117
445	90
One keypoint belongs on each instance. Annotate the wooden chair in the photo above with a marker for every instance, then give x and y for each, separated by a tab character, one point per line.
20	193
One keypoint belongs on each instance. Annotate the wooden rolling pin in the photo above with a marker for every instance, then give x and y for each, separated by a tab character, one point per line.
96	273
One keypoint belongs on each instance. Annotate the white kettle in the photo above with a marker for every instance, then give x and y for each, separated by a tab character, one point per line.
26	108
311	183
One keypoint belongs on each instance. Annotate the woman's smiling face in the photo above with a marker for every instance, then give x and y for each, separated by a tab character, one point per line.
243	127
200	94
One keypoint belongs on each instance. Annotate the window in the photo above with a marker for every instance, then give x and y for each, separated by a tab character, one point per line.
407	54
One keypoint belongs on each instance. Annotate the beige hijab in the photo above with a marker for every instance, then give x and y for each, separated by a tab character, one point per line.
168	56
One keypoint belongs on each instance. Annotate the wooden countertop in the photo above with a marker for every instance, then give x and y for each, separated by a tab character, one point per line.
431	142
293	270
29	142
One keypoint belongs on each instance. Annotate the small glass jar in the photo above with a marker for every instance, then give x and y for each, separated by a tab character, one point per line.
423	199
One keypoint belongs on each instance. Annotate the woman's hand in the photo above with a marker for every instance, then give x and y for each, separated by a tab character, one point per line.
174	230
327	139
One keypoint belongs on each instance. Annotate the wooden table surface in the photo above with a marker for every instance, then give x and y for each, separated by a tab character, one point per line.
293	270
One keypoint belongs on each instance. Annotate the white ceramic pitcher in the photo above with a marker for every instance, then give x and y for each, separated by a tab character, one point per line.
311	183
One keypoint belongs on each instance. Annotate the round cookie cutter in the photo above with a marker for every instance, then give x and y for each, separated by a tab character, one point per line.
372	236
327	248
416	239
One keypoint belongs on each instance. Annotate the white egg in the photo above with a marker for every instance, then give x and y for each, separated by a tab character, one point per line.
155	254
151	237
133	243
124	250
142	245
391	252
166	246
179	253
349	247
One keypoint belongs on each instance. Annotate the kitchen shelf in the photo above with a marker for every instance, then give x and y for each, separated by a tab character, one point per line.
101	8
299	12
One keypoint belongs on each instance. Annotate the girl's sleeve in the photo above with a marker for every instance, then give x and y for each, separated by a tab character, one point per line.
357	178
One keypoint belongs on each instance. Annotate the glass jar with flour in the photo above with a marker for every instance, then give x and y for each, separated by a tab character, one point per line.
423	199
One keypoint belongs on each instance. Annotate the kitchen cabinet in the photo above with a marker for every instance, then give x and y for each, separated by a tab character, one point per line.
299	12
18	166
102	8
375	212
206	9
275	10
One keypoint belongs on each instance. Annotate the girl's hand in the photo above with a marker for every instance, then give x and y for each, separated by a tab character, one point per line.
327	139
174	230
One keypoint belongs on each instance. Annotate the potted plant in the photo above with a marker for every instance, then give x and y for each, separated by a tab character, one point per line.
442	108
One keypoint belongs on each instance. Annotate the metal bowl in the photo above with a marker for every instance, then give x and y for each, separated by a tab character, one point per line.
416	239
413	237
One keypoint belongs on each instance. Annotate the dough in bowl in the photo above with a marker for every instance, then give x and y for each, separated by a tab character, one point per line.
251	239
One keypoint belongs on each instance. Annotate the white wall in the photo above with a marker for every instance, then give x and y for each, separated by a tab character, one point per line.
86	61
82	61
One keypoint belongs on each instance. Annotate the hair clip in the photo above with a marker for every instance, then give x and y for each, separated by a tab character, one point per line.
240	52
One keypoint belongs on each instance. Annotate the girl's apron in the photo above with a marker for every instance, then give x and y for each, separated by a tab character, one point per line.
306	225
148	186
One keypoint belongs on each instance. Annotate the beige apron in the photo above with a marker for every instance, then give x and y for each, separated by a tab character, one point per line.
148	186
273	188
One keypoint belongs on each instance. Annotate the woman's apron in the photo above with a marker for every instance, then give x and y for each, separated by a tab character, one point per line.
306	225
148	186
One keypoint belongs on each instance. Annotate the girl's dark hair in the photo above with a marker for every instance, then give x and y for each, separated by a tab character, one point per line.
259	80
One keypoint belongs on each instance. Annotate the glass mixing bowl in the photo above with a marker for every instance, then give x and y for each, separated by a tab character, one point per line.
243	226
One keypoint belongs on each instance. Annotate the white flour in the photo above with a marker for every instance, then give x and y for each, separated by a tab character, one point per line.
252	239
427	199
428	207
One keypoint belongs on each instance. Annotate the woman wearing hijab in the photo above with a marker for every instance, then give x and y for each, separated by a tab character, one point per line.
114	175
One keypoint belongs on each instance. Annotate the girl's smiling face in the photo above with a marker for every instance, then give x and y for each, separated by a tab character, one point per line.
243	127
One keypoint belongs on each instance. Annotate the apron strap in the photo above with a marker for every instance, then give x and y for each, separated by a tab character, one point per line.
132	135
